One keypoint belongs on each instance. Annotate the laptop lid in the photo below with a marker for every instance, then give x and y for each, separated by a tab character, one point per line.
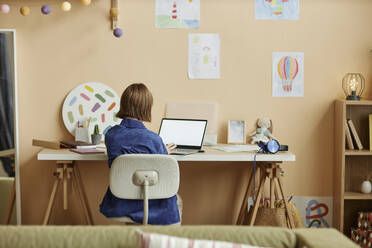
185	133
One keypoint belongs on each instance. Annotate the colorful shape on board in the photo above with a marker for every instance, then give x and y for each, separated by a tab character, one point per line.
73	100
70	117
90	89
81	109
111	106
95	107
45	9
66	6
24	10
109	93
85	96
106	129
118	32
86	2
103	117
4	8
99	97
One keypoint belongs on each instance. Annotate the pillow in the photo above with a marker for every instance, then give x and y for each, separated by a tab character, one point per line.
155	240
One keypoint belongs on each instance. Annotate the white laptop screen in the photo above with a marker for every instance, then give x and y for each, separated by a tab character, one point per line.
183	132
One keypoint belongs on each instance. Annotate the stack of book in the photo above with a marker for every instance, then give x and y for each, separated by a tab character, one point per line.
352	136
74	146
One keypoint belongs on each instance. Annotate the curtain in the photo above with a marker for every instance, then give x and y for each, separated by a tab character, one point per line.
6	103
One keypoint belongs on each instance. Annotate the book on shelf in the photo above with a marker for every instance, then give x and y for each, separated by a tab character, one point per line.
355	134
370	132
349	140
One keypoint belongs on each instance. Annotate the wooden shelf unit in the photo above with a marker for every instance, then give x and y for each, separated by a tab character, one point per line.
351	166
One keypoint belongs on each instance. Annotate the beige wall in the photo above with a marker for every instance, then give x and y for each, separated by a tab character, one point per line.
60	51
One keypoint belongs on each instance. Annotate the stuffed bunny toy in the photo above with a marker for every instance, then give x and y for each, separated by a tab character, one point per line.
263	132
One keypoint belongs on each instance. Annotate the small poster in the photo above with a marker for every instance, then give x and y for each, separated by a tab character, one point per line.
177	13
277	9
288	75
204	56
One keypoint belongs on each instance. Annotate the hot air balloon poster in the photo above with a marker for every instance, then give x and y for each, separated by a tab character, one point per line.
288	75
277	9
177	13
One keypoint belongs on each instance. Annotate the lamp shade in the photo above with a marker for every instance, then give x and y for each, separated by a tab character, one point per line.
353	85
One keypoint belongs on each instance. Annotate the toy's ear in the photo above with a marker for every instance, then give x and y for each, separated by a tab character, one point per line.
271	126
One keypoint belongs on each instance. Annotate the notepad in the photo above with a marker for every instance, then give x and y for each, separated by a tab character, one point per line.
87	151
237	148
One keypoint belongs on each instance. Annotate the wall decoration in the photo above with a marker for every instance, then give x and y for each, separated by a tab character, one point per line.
24	10
204	56
66	6
95	103
315	211
277	9
4	8
45	9
177	13
288	74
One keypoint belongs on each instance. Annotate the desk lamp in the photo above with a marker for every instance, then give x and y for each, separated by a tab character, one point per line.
353	85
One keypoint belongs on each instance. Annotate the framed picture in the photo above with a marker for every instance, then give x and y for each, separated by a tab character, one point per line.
236	133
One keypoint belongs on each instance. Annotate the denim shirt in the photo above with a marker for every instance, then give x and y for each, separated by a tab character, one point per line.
131	136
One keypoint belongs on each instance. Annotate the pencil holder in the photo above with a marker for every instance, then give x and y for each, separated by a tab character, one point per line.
82	134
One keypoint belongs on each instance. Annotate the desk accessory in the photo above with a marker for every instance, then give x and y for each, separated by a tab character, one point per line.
46	144
272	146
96	136
353	85
236	132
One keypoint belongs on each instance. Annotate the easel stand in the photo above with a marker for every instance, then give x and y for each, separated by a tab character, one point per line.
68	171
267	171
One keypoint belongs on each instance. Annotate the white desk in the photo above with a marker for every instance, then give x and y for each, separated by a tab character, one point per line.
268	167
207	156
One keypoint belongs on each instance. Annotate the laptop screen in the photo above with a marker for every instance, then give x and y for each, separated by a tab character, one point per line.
185	133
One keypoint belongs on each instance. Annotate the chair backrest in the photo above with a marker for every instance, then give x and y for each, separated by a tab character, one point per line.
125	168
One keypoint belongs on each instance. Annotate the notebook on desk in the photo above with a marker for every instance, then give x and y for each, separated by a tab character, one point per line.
187	134
87	150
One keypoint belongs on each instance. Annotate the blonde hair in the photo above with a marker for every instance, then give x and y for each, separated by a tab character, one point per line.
136	102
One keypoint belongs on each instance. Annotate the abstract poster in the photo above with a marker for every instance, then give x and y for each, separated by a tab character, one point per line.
204	56
177	13
315	211
93	102
288	75
277	9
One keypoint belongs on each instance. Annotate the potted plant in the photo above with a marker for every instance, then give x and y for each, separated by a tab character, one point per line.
96	136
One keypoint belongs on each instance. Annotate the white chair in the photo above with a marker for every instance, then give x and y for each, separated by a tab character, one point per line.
144	176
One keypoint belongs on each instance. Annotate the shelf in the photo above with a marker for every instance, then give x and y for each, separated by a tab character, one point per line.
357	196
358	153
361	102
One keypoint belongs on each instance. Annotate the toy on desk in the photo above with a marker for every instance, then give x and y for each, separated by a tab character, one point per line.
263	132
96	136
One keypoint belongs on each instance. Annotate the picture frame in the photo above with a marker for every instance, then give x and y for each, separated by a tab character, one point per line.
236	132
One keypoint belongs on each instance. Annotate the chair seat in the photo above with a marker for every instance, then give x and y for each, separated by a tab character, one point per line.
130	221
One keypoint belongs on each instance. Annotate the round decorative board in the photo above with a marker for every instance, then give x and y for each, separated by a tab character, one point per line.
91	101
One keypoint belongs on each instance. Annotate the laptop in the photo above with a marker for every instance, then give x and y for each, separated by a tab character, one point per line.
187	134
